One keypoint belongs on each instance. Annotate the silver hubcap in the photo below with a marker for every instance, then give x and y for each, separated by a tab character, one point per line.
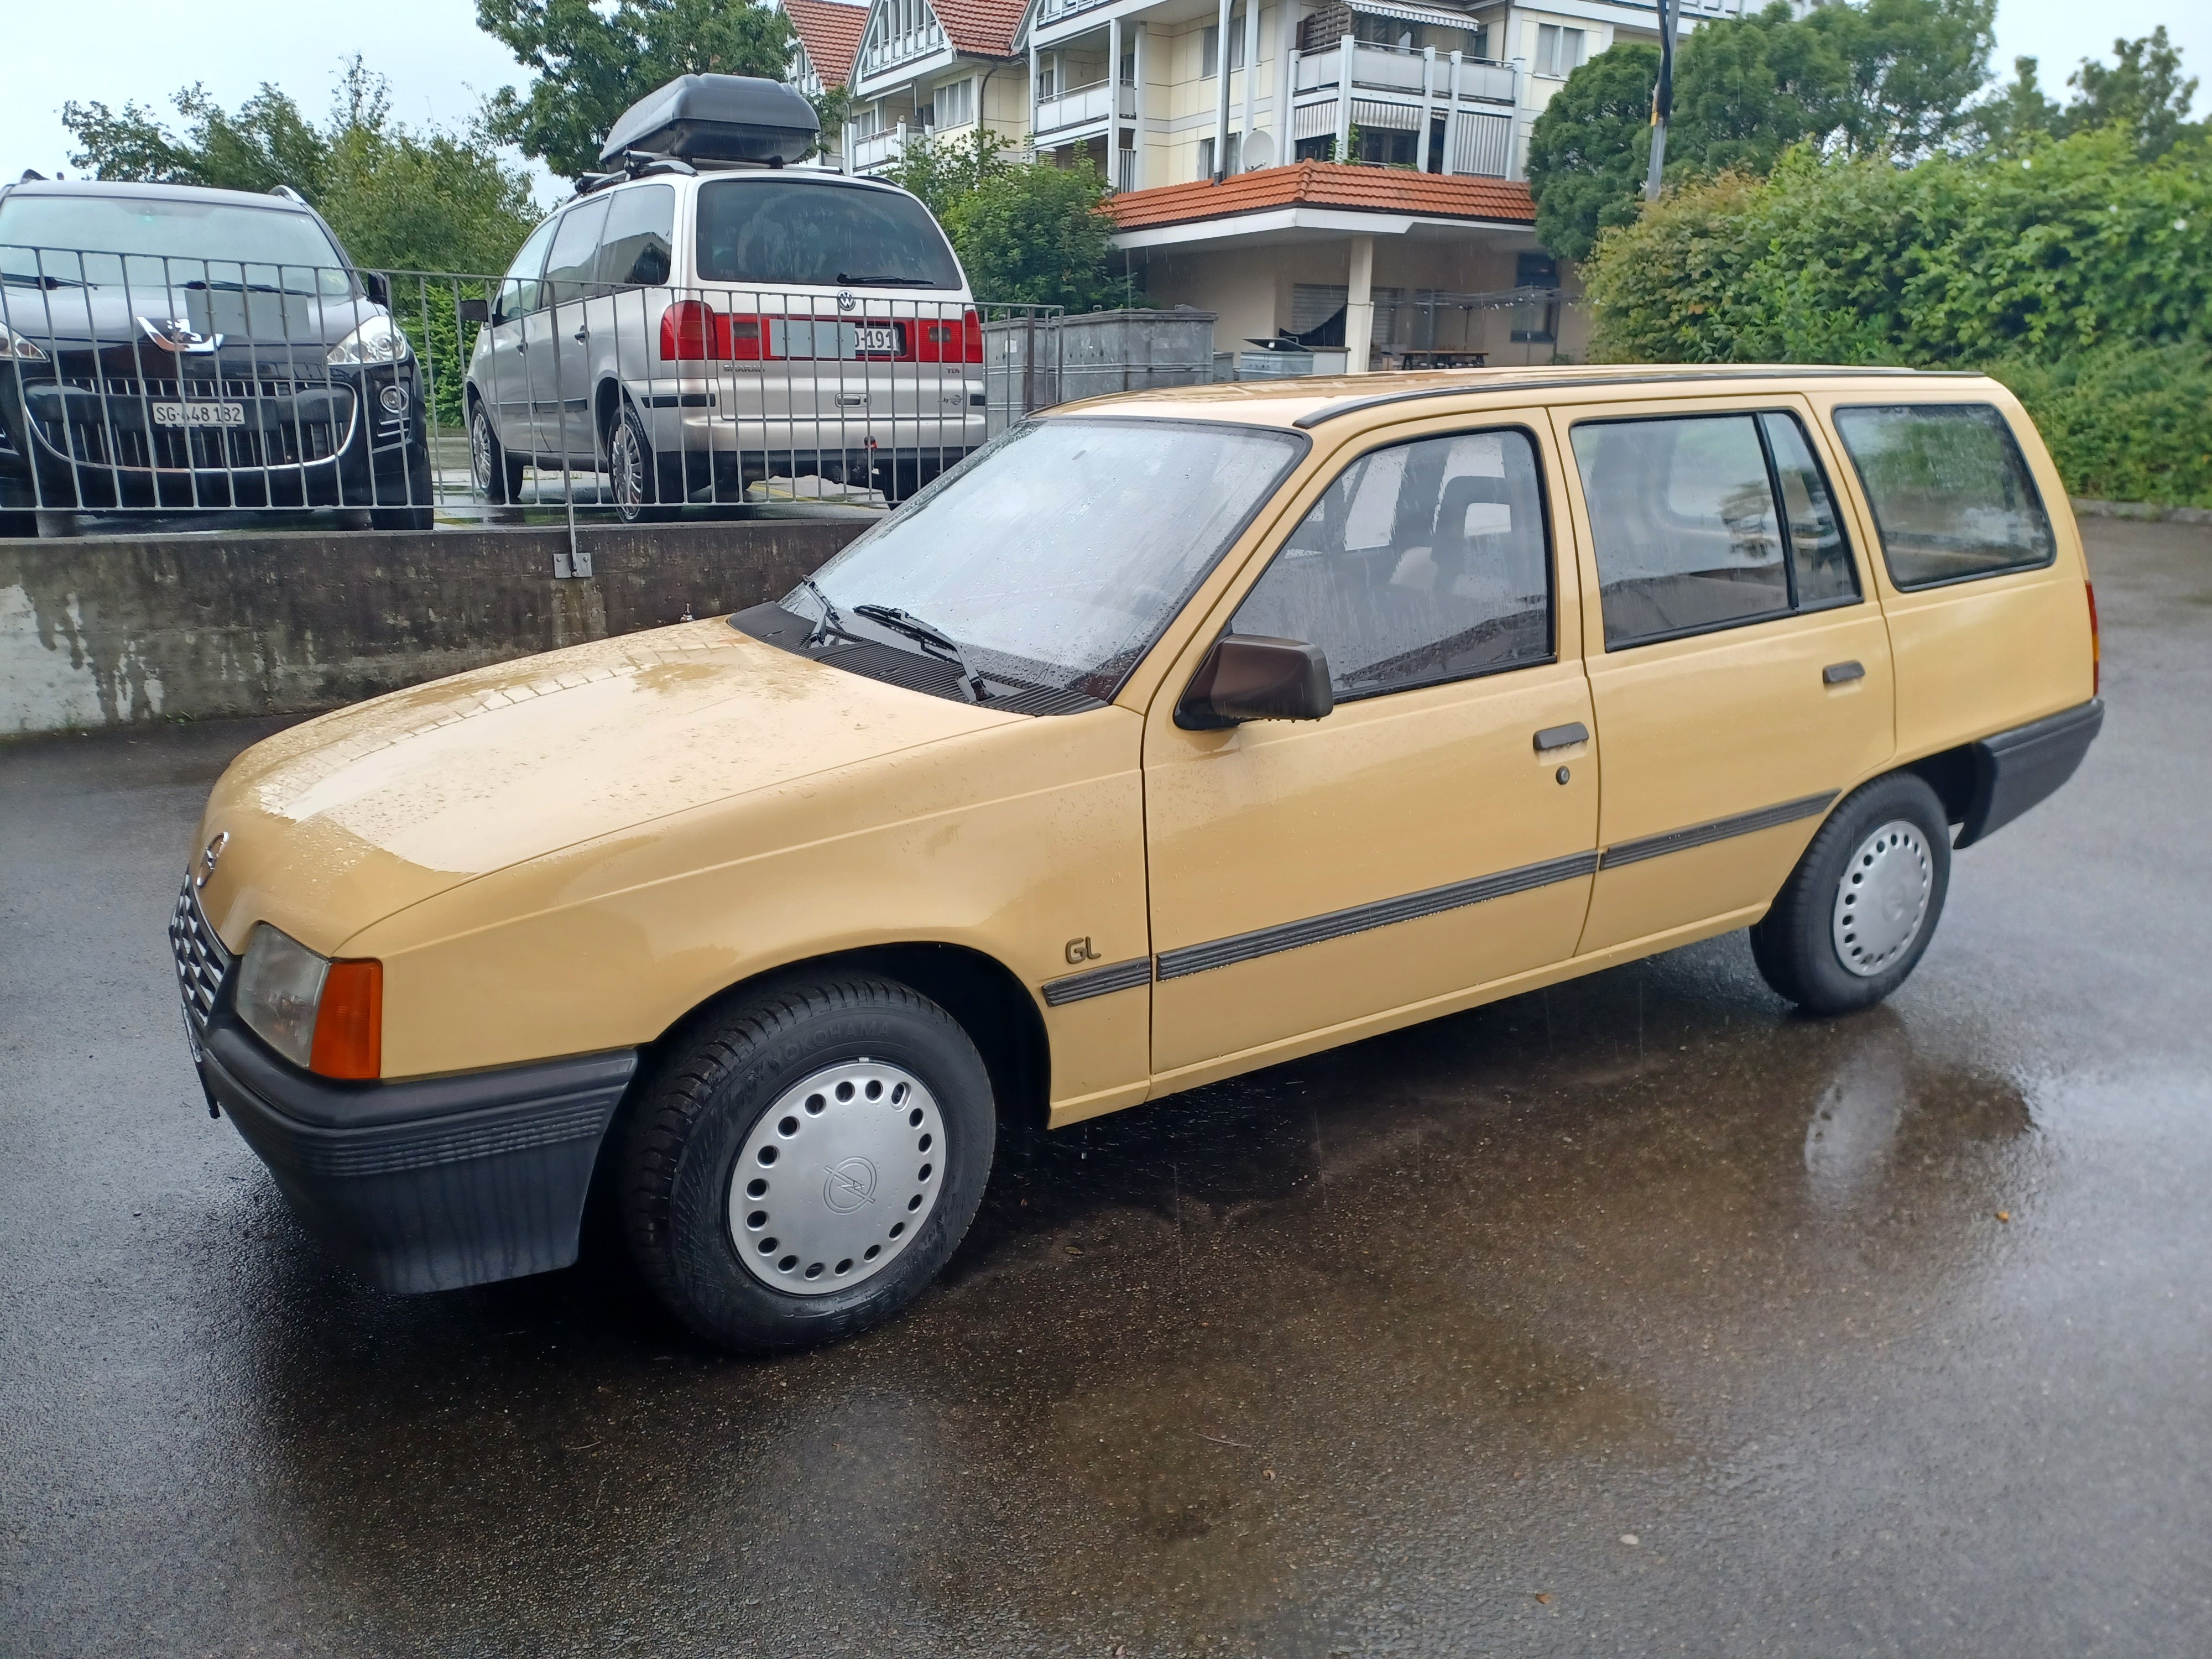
837	1178
627	467
480	450
1883	898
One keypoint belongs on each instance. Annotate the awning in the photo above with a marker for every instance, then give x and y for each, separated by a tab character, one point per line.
1372	112
1407	12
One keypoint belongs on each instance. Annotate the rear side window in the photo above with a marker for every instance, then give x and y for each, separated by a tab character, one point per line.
635	247
813	234
1951	493
575	252
1708	521
1424	562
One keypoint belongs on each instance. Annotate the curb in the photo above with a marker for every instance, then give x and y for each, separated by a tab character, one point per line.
2150	511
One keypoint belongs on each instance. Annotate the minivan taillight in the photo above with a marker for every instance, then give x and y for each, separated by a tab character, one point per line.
693	331
972	326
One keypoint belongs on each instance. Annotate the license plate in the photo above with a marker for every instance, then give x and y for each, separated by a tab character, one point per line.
199	414
874	337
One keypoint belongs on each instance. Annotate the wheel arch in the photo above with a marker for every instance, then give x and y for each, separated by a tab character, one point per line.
1950	773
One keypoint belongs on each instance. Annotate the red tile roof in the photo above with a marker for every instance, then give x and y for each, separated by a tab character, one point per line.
830	31
981	28
1325	183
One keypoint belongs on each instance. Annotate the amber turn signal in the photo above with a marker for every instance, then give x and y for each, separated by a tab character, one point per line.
349	1022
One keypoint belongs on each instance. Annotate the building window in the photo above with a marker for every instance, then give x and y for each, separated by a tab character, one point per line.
1206	158
955	106
1047	76
1558	50
1209	50
1371	31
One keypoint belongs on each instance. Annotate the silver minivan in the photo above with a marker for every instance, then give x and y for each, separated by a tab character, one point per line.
691	326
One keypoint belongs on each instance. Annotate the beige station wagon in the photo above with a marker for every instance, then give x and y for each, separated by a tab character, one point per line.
1168	737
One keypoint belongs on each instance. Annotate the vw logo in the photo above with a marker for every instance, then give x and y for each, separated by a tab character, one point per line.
208	857
845	300
851	1184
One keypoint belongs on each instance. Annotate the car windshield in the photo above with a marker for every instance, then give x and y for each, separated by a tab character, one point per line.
1055	555
770	232
160	242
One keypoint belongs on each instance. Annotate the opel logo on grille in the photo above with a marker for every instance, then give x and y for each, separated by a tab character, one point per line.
208	854
851	1184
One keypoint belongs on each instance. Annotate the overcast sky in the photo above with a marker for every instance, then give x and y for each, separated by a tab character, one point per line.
440	64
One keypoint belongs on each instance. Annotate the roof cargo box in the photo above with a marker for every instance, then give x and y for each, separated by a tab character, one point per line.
717	117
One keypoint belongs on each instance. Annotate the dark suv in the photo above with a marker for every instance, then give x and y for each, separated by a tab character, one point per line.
167	348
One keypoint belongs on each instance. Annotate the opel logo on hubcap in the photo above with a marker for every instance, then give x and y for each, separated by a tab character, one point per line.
851	1184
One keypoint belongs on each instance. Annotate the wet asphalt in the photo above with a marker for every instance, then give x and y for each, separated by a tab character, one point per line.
1640	1317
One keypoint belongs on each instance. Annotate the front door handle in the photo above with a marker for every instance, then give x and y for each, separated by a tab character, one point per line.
1561	737
1842	673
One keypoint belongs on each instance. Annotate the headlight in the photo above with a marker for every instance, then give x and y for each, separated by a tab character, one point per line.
376	341
326	1017
14	345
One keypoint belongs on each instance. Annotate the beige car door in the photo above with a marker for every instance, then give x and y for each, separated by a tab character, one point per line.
1437	831
1740	668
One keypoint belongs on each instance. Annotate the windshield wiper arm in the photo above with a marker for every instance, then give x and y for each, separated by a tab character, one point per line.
906	623
831	624
40	279
886	282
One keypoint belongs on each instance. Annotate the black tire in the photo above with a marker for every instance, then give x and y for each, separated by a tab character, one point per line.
681	1154
1797	944
636	482
498	475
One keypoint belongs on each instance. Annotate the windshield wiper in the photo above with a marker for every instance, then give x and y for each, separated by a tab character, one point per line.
38	279
906	623
831	624
885	281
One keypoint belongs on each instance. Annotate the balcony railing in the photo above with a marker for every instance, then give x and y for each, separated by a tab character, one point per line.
1080	104
1393	69
1054	11
877	150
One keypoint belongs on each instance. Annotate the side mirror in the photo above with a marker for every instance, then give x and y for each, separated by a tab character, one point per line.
378	291
1249	677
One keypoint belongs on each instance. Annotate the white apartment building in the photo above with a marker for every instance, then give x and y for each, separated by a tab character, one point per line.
1332	170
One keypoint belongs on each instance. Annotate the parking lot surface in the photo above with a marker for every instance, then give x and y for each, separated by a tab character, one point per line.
1637	1316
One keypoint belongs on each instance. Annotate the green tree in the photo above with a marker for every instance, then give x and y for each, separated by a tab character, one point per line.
2143	93
2020	112
397	199
590	62
1027	233
1889	77
1588	150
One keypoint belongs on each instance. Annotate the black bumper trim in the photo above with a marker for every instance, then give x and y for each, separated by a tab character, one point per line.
429	1184
2015	770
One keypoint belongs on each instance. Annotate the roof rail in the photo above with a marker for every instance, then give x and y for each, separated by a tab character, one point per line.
288	194
635	164
1344	406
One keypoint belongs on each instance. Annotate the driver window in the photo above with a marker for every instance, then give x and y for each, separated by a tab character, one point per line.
518	293
1425	562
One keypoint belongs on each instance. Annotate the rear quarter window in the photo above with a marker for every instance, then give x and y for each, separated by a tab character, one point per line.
1952	496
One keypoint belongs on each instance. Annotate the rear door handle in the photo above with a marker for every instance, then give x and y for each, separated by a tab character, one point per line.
583	334
1839	673
1561	737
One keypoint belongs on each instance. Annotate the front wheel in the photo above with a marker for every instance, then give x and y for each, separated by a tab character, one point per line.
804	1168
1856	914
498	475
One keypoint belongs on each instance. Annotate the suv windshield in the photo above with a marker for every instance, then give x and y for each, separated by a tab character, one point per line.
167	241
1056	553
819	234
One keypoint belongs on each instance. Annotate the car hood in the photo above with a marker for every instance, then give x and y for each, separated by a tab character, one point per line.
113	313
348	818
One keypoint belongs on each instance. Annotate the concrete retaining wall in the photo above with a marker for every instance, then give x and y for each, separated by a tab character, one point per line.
109	631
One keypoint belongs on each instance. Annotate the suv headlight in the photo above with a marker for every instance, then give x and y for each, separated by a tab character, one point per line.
376	341
14	345
326	1017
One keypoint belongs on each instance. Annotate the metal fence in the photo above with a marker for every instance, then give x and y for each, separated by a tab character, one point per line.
167	385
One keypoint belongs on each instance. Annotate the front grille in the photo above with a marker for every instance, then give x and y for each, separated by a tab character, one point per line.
201	960
110	442
201	390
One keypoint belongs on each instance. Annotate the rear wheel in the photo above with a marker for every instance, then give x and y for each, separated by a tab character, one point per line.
498	475
1857	913
635	479
802	1169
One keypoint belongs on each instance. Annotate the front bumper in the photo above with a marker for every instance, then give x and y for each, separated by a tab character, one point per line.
427	1184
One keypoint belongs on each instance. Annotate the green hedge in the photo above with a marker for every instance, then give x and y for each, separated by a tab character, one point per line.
2079	274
